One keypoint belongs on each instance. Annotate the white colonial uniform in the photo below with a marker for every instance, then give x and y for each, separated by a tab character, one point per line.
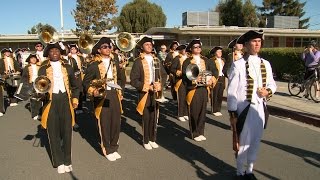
237	100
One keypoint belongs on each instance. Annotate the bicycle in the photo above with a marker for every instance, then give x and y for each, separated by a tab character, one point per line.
311	85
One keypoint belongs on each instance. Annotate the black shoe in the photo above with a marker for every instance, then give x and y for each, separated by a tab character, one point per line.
250	176
76	127
240	177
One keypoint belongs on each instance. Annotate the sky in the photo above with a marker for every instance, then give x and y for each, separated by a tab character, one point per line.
21	15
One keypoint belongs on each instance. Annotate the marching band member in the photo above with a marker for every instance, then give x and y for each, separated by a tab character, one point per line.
29	74
147	80
107	104
58	110
77	61
251	83
197	96
8	66
237	52
176	70
217	90
167	65
39	51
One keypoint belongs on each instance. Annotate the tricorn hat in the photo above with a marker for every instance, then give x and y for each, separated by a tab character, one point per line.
30	56
103	40
182	47
252	34
59	45
173	43
232	43
313	43
6	50
193	42
73	45
144	40
214	50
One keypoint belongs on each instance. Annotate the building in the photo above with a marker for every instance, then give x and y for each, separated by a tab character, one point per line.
222	35
209	35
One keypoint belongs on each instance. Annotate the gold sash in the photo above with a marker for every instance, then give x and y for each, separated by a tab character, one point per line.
146	72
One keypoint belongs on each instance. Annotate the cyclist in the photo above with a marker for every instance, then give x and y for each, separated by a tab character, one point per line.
311	57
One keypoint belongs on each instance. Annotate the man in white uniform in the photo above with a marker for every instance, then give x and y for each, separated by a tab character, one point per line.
251	84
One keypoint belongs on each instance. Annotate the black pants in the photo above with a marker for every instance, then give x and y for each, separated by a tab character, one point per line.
217	94
35	107
2	109
59	128
182	103
197	112
173	91
110	119
10	91
149	121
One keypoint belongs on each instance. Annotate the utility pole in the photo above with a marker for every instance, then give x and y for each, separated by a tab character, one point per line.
61	21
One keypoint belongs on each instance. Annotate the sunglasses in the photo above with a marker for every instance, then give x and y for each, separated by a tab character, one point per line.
105	47
196	46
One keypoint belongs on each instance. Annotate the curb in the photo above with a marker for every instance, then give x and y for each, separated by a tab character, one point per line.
307	118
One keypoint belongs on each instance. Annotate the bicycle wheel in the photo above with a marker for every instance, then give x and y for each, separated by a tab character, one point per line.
314	90
295	86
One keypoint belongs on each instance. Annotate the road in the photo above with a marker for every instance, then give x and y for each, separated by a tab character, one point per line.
289	150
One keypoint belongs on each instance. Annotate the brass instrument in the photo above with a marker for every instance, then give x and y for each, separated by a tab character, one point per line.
125	41
42	84
85	43
47	34
193	72
100	85
158	94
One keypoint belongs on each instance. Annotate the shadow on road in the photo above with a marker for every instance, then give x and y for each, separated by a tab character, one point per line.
309	157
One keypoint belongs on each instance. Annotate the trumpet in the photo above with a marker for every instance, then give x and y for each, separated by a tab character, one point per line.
193	72
100	85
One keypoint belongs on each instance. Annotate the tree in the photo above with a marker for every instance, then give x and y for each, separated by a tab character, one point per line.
94	15
139	16
230	12
283	8
249	14
35	29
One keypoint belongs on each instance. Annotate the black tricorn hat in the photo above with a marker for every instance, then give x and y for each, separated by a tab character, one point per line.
232	43
193	42
252	34
144	40
103	40
59	45
17	50
6	50
173	43
38	43
182	47
30	56
214	50
73	45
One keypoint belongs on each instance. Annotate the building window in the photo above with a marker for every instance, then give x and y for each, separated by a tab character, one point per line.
289	42
297	42
275	42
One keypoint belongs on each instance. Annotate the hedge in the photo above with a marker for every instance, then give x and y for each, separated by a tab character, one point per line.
284	61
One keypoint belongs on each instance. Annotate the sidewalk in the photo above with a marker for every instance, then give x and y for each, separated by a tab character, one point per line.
297	108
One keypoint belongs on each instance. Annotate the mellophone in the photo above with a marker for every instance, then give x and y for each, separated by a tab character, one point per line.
36	90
